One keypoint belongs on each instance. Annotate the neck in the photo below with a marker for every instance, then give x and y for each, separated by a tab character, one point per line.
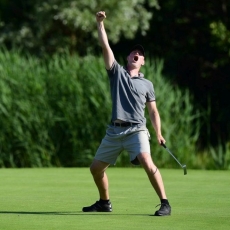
133	71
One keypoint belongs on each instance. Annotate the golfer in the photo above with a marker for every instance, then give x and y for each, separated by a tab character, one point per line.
130	93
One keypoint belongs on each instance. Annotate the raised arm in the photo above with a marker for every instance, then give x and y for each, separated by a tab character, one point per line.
155	120
103	40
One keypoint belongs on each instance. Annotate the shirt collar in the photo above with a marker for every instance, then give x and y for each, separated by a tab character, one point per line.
140	75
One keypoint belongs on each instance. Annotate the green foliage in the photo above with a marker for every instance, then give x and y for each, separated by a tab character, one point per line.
193	39
25	115
55	112
221	39
54	25
220	156
80	103
179	117
180	121
191	36
51	112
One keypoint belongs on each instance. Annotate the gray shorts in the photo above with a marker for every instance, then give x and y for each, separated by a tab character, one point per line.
134	140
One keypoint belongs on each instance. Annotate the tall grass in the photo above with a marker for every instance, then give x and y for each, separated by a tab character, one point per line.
80	103
24	112
179	119
54	112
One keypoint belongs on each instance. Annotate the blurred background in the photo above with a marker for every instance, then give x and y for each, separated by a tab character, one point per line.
54	93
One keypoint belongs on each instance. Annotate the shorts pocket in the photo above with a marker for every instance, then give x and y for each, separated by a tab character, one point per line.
148	134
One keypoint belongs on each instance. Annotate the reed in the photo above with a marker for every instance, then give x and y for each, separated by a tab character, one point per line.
54	112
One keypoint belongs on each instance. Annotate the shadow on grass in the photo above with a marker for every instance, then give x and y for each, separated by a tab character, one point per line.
69	213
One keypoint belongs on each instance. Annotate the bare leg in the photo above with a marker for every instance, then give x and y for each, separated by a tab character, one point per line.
97	169
153	174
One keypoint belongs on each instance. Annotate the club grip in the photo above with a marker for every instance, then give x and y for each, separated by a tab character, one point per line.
163	145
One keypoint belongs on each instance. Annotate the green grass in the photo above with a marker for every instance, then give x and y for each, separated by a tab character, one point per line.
52	198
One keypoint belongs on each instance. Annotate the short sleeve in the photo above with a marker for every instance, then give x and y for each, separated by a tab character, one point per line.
114	69
151	93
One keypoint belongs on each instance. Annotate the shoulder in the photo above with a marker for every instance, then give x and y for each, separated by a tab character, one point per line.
116	68
147	82
115	65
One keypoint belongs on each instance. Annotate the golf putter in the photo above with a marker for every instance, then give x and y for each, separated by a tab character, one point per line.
182	166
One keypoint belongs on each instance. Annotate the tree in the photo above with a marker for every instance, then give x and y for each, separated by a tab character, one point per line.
193	37
55	25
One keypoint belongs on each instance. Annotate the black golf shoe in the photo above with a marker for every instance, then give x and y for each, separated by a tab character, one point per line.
98	207
165	210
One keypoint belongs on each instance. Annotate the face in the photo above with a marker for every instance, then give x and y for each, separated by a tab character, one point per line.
136	59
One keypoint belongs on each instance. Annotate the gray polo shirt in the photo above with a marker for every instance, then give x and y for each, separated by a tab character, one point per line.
129	94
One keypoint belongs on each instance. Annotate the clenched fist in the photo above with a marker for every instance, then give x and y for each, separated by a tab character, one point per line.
100	16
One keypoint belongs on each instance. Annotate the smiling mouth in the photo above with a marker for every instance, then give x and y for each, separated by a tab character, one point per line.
135	58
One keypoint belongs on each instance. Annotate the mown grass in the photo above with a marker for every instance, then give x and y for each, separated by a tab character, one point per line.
52	198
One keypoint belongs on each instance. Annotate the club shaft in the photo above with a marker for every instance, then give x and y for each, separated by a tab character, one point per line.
174	157
182	166
171	154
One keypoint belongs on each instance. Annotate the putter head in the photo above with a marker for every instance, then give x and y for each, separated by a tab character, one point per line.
185	169
183	166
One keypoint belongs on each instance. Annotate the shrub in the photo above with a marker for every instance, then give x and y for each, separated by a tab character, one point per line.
54	112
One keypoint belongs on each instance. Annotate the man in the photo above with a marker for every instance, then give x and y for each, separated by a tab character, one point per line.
130	93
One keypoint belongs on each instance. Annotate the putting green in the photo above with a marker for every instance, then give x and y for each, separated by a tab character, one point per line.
52	198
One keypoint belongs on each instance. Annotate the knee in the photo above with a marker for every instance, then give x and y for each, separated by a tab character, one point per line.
98	168
93	169
145	159
147	162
